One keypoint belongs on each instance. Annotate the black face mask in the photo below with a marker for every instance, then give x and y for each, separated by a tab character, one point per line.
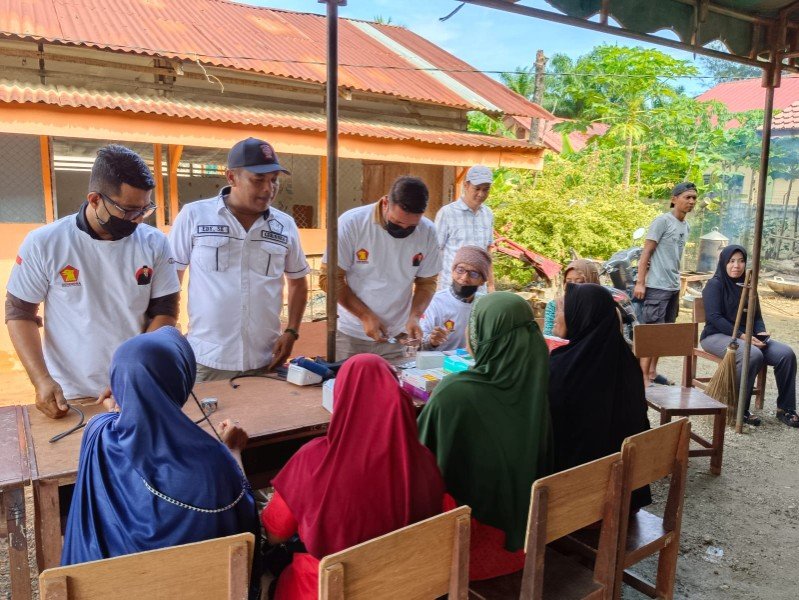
464	291
117	228
396	231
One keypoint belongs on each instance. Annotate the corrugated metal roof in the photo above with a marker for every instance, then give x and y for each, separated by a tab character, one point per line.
71	97
749	94
554	139
263	40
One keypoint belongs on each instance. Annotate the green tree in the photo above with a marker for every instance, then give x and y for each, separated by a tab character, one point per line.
628	89
721	71
521	81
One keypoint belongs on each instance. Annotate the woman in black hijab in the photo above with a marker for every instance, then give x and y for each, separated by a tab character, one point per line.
596	388
721	296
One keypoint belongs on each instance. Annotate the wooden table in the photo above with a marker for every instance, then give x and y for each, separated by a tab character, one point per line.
14	474
279	418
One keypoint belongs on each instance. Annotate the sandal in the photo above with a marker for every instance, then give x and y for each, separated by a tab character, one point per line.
789	417
754	420
662	380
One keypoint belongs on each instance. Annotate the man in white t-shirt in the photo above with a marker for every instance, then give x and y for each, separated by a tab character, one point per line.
103	277
240	249
446	320
388	259
466	222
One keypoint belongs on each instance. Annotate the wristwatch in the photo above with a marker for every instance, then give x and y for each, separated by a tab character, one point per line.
293	332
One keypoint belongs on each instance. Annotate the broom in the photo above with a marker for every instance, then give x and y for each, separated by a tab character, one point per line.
722	385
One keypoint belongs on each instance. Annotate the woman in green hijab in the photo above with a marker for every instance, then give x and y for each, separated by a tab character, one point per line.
490	430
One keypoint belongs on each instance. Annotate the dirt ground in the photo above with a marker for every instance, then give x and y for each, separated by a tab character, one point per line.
740	538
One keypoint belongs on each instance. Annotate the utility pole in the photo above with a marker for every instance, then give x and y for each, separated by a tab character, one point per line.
538	95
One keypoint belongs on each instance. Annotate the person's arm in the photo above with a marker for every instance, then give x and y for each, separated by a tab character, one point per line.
549	316
372	326
235	438
27	343
643	268
298	298
423	291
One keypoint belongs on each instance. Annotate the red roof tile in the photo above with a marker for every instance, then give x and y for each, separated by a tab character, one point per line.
263	40
788	119
14	92
554	139
748	94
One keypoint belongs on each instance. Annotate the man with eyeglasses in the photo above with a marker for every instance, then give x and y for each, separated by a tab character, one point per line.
103	277
241	249
446	320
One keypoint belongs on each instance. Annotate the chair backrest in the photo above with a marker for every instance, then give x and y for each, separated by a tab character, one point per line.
566	502
218	568
699	310
652	455
424	560
664	339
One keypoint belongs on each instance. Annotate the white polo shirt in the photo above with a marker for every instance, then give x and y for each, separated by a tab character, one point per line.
236	280
381	269
95	294
447	311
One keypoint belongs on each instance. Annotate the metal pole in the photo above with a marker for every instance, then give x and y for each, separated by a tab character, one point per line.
762	178
332	172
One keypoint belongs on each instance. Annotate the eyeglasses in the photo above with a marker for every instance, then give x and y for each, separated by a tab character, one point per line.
127	213
469	272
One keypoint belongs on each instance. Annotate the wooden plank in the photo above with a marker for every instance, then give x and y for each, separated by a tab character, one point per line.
54	588
12	503
331	583
659	446
238	570
173	159
47	521
14	465
425	551
459	571
48	177
664	339
199	570
158	175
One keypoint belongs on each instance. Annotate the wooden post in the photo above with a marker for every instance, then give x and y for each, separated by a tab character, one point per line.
158	174
322	198
48	178
173	158
460	173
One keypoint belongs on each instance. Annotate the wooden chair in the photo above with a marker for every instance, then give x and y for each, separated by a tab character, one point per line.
425	560
213	569
759	390
677	339
561	504
646	458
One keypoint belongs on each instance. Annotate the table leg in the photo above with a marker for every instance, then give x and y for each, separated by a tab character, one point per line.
665	417
48	524
13	509
719	427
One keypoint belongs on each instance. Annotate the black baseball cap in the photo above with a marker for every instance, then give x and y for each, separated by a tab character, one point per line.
254	155
681	188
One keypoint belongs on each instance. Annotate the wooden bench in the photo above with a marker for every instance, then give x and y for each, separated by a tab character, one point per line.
213	569
677	339
422	561
759	390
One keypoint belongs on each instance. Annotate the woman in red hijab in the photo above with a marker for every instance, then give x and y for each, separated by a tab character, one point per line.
367	477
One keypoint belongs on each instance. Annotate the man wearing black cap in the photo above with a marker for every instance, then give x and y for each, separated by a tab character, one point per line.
240	248
658	284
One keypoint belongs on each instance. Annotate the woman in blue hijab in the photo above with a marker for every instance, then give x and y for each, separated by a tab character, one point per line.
148	477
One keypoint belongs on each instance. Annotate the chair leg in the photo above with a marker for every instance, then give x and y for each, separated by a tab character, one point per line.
761	388
719	427
667	569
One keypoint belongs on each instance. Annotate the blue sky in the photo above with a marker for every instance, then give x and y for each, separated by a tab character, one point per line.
487	39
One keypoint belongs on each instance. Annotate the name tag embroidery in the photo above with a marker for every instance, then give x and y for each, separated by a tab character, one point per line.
275	237
221	229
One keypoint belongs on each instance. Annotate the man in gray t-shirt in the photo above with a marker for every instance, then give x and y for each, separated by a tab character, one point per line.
658	284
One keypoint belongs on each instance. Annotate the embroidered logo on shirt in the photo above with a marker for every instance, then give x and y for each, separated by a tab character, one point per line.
144	275
449	324
274	237
417	259
69	275
19	259
213	229
275	225
362	255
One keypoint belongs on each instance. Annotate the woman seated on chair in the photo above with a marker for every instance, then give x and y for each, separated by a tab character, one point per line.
148	477
721	296
596	389
368	476
577	271
490	430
